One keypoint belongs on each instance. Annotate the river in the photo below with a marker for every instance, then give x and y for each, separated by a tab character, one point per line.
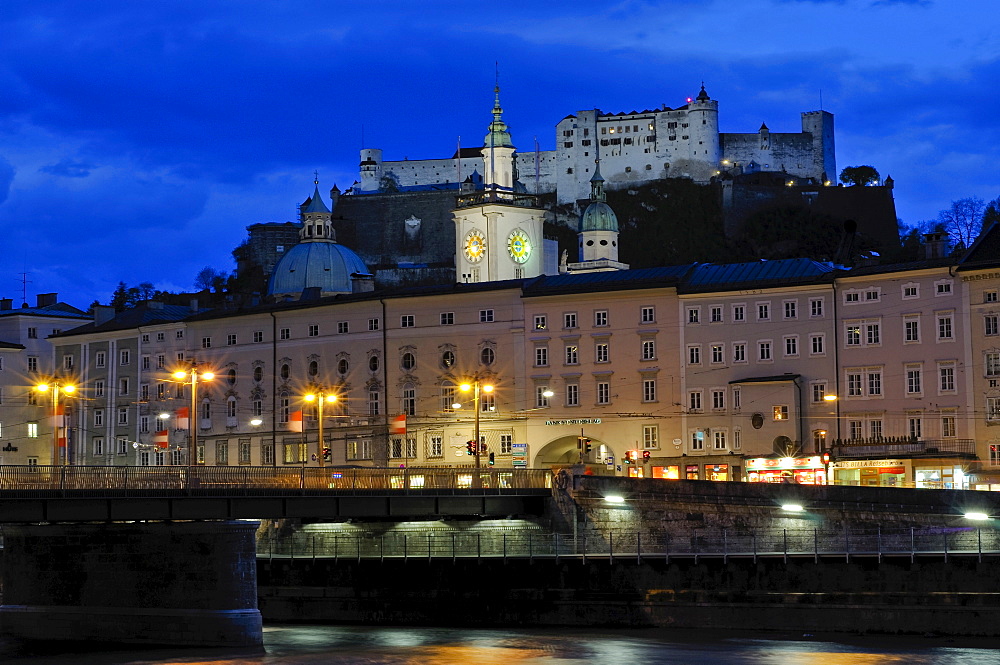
337	645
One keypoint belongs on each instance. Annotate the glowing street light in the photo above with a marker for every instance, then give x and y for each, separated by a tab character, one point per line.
476	386
55	388
193	376
320	396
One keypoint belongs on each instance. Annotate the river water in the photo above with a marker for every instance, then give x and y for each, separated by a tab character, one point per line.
337	645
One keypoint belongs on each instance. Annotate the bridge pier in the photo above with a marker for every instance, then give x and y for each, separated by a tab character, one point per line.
178	583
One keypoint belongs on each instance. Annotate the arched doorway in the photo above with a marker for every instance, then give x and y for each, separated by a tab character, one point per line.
563	451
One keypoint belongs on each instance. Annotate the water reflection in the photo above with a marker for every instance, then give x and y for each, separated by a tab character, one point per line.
336	645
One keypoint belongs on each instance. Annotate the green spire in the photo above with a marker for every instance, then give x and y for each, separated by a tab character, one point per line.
597	183
499	136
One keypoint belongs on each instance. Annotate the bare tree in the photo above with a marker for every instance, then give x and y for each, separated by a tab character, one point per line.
964	219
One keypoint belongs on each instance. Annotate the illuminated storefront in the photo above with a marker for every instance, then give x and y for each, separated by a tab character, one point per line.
800	470
669	472
871	473
716	472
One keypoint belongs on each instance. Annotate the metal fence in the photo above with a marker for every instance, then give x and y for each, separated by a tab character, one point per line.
249	480
724	544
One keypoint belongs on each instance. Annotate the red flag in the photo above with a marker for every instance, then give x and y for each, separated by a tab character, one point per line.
295	421
162	439
58	416
182	415
62	442
398	424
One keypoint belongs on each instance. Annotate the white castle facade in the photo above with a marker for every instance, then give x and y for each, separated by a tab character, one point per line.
634	148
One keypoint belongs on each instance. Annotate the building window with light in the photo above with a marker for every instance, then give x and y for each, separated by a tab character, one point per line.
487	402
780	412
32	430
541	398
572	354
650	437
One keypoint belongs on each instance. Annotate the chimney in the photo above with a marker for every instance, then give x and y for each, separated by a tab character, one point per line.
935	244
6	303
46	299
194	305
103	314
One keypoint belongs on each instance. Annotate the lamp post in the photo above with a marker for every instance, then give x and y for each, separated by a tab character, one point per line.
476	386
825	455
320	396
195	376
55	388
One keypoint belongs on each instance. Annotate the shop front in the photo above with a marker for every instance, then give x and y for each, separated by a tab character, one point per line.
799	470
940	475
703	470
871	473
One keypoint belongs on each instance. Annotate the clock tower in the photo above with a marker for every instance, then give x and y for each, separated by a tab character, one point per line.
498	230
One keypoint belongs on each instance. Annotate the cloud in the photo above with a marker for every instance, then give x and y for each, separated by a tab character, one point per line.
6	178
69	168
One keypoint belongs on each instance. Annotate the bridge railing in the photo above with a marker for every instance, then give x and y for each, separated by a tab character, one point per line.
766	543
260	480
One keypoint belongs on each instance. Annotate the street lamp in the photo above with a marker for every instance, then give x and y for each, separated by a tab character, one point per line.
476	387
195	376
320	396
56	387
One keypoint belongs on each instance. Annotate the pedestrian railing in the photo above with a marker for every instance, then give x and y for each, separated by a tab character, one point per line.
263	480
724	544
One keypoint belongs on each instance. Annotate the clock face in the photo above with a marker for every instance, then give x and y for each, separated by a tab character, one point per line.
519	246
475	245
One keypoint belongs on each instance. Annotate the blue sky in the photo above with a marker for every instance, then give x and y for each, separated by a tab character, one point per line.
139	139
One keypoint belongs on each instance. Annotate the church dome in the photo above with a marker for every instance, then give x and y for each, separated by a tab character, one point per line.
598	217
325	265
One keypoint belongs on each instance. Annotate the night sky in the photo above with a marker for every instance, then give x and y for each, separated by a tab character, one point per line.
139	139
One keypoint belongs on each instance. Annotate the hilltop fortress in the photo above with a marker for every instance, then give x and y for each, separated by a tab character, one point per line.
634	148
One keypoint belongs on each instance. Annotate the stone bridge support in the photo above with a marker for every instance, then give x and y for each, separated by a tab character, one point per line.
177	583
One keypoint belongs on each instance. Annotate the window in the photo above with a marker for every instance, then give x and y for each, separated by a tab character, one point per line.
373	324
343	366
222	452
406	321
343	327
873	295
694	315
739	313
915	426
374	398
942	288
409	400
97	445
258	336
206	343
359	449
486	316
913	385
569	320
649	390
719	439
98	417
737	438
855	428
603	392
100	359
911	291
694	400
993	409
601	352
697	440
124	356
447	318
313	330
780	412
123	415
792	345
408	361
818	392
32	333
716	315
739	352
99	388
487	402
874	382
791	309
448	392
161	391
32	363
373	363
230	340
541	356
572	354
487	356
764	350
647	315
243	451
179	334
948	428
817	344
435	446
540	322
911	329
991	363
946	378
694	354
601	318
863	333
285	333
718	399
815	307
737	397
944	328
123	386
572	394
650	436
718	355
851	297
763	311
648	349
990	325
32	430
541	397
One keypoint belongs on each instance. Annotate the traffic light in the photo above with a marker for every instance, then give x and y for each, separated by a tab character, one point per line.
587	446
645	455
327	454
470	447
492	460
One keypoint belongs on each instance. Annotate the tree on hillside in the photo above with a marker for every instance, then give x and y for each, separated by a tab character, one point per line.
964	219
126	296
209	278
859	175
992	213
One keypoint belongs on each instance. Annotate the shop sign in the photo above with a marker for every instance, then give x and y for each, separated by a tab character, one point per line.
575	421
519	454
865	463
758	463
